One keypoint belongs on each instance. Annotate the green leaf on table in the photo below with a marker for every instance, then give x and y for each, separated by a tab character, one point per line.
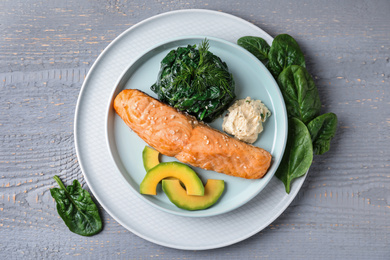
300	93
76	208
298	154
284	52
322	129
255	45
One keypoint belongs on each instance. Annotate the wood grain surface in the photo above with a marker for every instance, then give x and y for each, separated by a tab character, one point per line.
46	50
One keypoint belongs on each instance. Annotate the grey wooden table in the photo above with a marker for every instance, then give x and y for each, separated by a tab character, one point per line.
46	50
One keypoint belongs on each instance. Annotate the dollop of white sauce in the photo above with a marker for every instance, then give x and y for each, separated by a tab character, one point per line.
245	119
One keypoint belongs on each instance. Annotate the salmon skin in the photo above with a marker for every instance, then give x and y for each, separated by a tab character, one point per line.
173	133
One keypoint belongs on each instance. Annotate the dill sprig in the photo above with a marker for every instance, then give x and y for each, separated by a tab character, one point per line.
207	73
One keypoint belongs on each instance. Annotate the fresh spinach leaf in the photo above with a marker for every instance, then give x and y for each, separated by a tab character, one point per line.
300	93
307	132
284	52
76	208
298	154
322	129
195	81
255	45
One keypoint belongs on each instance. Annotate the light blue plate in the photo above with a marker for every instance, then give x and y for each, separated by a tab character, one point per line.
252	79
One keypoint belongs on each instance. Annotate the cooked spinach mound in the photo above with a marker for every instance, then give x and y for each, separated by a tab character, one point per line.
195	81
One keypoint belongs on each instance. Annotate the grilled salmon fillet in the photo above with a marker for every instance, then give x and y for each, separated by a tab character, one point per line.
173	133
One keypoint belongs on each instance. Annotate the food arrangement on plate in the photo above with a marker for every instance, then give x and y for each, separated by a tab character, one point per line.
108	151
250	79
308	133
197	87
194	87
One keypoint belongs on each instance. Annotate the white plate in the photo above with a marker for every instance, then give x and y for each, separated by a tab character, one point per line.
101	174
251	78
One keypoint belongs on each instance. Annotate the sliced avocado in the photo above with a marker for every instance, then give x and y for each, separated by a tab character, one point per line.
178	196
185	174
150	158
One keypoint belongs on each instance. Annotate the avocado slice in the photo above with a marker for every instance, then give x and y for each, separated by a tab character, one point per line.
178	195
185	174
150	158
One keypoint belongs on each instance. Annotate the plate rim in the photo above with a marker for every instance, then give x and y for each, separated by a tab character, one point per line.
285	200
283	128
